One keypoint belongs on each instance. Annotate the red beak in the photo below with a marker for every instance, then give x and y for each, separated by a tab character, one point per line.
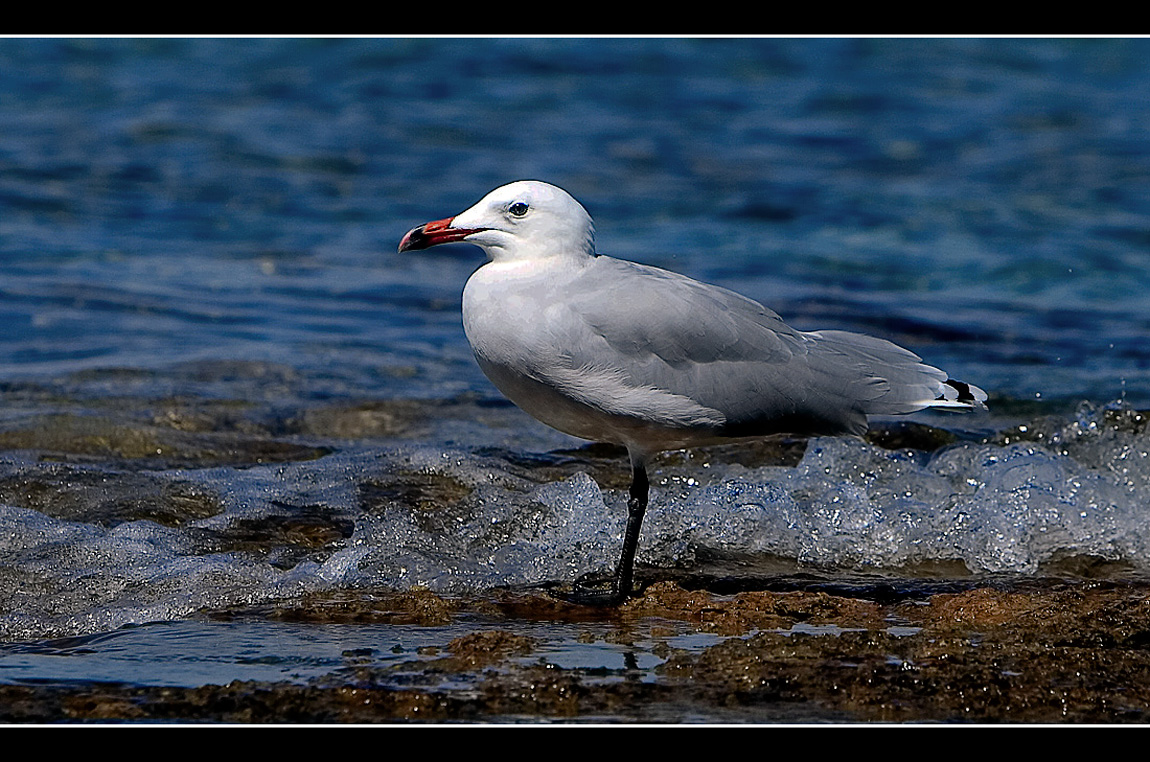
433	234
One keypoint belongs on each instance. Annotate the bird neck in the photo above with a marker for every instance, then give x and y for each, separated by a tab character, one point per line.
537	253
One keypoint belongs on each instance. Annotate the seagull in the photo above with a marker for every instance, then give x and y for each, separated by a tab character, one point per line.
610	350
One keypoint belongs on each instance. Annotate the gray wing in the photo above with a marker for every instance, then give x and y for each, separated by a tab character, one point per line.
729	354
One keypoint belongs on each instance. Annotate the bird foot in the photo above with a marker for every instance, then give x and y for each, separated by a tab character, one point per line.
594	590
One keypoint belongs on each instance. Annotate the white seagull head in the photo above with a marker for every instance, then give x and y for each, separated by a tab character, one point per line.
524	220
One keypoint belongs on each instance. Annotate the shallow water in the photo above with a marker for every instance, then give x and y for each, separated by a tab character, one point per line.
190	653
222	387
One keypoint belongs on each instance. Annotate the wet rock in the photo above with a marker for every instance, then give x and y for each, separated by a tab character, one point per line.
311	532
425	492
772	451
605	463
903	435
107	499
383	418
437	501
1031	651
750	610
482	649
411	607
125	444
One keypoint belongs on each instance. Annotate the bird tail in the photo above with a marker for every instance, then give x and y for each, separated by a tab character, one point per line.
959	395
891	380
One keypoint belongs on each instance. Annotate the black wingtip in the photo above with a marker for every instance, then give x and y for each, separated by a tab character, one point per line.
967	393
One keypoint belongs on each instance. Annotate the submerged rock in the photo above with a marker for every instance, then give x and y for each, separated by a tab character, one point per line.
1048	651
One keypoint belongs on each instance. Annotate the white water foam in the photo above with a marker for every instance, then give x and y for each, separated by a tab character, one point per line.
1072	488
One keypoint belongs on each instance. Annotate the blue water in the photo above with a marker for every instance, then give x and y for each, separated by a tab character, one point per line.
200	219
187	654
982	201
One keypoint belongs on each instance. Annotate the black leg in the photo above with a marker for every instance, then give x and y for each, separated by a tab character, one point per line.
622	582
636	507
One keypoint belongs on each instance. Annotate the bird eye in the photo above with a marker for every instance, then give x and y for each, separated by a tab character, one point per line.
519	208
